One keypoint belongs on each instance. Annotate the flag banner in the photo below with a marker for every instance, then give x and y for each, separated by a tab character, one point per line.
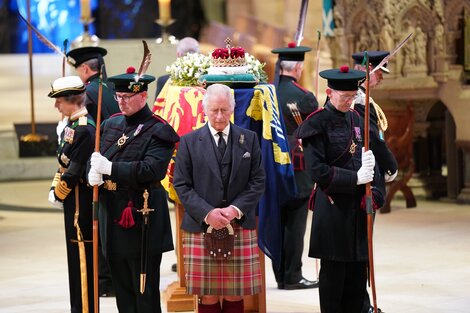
181	107
328	20
257	109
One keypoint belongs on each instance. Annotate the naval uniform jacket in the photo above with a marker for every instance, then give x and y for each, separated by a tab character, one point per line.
289	91
109	106
332	143
139	163
199	183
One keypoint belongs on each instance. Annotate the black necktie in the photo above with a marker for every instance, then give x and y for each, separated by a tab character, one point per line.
221	145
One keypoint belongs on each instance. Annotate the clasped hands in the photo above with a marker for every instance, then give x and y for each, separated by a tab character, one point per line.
366	173
221	217
99	165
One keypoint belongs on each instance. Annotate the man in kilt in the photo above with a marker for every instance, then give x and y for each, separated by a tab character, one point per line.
219	179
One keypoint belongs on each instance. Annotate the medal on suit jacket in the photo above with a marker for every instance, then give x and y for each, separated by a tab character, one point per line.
122	140
357	132
68	134
139	128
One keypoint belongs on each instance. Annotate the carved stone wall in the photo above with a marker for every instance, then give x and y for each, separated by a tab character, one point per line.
427	70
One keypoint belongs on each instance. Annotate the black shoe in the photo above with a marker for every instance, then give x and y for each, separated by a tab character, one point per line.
302	284
173	267
280	286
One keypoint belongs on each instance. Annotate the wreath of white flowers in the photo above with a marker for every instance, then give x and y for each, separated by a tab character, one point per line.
186	70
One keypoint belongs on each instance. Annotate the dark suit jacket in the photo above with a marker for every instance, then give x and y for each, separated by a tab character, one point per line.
198	181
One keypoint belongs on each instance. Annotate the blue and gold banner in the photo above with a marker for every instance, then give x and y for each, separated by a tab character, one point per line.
257	109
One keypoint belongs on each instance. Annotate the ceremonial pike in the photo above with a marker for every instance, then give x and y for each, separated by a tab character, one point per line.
392	53
369	210
96	197
299	35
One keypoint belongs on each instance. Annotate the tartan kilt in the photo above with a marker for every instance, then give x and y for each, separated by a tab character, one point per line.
238	276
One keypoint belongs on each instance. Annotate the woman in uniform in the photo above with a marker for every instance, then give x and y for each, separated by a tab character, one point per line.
69	190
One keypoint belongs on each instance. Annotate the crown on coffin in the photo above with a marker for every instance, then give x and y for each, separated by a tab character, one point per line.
228	56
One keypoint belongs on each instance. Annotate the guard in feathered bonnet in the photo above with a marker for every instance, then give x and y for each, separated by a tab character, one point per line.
136	147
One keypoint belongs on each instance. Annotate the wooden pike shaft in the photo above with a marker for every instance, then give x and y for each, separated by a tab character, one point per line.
96	200
370	213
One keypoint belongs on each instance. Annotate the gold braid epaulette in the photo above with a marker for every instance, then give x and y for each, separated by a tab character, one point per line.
56	180
382	122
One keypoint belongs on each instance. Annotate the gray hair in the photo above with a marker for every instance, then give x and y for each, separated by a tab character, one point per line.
221	90
289	65
187	45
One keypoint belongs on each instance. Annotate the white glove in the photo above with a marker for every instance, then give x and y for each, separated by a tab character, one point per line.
100	164
54	201
390	178
368	158
94	178
60	127
366	172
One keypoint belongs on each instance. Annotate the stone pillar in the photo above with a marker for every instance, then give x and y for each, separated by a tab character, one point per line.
452	156
435	181
464	196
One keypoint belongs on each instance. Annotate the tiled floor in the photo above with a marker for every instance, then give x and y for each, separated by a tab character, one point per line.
422	259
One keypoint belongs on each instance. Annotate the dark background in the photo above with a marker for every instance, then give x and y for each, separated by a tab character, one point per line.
113	19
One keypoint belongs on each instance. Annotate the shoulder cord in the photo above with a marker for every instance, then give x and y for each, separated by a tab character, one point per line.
381	118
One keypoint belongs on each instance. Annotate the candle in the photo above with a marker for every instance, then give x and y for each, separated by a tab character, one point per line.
85	9
164	9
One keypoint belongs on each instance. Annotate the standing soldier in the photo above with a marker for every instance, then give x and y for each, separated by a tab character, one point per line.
87	62
69	190
296	103
135	149
333	139
378	125
378	120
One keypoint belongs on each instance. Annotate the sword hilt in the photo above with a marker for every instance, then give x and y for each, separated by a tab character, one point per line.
145	210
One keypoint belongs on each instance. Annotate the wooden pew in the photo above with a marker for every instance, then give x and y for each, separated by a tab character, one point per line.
399	138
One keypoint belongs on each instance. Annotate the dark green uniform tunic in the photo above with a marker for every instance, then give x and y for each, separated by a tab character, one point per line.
140	163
